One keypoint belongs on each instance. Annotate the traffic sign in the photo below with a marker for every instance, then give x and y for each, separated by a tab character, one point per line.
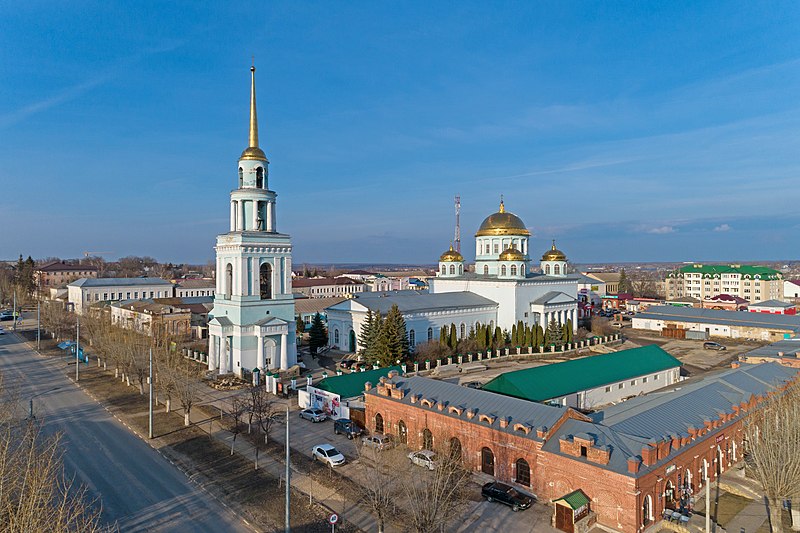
333	518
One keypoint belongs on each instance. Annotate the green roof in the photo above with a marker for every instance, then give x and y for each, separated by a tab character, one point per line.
352	384
745	270
575	499
559	379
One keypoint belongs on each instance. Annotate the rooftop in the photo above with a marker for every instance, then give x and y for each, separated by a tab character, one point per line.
670	313
315	305
119	282
559	379
61	266
320	282
419	301
772	303
747	271
788	347
195	283
352	384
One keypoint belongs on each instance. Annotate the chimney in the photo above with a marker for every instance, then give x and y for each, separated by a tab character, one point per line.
414	398
382	380
633	464
367	386
504	422
649	454
541	432
392	374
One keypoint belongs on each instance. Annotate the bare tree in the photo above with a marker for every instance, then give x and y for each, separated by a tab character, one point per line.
264	409
435	497
239	407
187	387
378	483
773	431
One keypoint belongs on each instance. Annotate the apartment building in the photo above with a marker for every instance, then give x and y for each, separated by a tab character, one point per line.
753	283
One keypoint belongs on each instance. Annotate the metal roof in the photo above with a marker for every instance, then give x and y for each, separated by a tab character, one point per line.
787	346
772	303
352	384
669	313
419	301
119	282
559	379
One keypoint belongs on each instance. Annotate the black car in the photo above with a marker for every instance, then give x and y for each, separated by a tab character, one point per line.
500	492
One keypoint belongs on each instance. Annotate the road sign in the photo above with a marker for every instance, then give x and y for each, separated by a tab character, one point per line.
333	518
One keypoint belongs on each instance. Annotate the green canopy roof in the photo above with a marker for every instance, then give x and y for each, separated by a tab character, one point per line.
559	379
575	499
352	384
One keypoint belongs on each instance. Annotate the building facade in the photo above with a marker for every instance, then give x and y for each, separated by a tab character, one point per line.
152	318
58	274
327	287
87	291
252	324
753	283
193	288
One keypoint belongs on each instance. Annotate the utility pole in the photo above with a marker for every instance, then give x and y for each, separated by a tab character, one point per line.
287	527
78	349
14	313
38	323
151	393
708	504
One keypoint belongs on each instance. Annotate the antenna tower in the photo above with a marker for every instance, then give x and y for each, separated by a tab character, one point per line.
457	239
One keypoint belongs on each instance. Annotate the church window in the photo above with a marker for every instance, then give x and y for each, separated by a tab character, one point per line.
503	270
460	269
336	337
485	270
241	177
488	249
463	331
513	270
444	269
430	334
452	269
556	269
260	178
228	279
547	269
497	248
266	281
412	338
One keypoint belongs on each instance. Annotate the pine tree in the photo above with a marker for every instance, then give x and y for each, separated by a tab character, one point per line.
471	334
514	334
624	282
480	337
444	338
367	335
570	333
554	334
393	339
317	335
499	339
528	336
453	342
539	335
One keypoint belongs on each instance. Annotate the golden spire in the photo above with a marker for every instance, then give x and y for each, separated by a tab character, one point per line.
253	151
502	205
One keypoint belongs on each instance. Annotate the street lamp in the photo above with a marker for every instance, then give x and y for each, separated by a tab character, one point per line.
30	405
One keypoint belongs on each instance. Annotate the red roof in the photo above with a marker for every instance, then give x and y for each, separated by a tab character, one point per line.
61	266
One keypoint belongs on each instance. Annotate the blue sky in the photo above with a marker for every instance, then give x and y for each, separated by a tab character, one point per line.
625	130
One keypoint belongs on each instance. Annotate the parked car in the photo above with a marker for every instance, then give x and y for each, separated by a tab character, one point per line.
617	325
423	458
500	492
713	346
378	441
313	414
6	315
327	454
2	331
347	427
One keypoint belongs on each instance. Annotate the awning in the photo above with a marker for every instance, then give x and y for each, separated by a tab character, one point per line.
574	500
65	344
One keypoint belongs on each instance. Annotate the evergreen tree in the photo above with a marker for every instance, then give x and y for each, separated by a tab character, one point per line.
444	338
528	336
471	334
317	335
487	332
569	333
393	339
539	335
453	342
366	339
514	334
499	339
480	337
554	334
300	326
624	282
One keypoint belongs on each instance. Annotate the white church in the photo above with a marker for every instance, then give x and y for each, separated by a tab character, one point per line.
252	324
502	290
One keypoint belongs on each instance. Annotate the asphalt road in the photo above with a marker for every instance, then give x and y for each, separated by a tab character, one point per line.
139	489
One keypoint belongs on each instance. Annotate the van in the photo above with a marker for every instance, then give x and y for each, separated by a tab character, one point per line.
347	427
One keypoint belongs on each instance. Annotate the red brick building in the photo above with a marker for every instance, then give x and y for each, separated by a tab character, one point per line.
632	460
58	274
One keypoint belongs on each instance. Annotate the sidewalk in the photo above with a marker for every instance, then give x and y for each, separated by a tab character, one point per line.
749	519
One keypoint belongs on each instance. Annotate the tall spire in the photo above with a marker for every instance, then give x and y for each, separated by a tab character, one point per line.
253	151
502	205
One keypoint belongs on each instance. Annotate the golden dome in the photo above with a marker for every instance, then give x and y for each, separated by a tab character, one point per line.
502	223
554	254
253	153
451	255
511	254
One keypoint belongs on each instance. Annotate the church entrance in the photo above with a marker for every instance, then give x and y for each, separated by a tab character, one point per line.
352	341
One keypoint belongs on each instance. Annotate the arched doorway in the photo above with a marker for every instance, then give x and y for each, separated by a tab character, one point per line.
265	281
523	472
669	493
378	423
228	280
647	510
352	341
402	432
487	461
455	449
427	439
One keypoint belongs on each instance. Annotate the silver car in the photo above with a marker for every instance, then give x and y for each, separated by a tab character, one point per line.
327	454
424	458
379	442
313	414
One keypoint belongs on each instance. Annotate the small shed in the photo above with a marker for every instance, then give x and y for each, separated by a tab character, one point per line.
573	513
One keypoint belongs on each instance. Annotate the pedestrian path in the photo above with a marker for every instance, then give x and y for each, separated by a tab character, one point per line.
749	519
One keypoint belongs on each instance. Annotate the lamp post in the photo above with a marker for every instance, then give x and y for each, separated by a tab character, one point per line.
150	407
30	404
78	348
287	526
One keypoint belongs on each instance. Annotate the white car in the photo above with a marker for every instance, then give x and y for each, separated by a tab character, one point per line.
424	458
327	454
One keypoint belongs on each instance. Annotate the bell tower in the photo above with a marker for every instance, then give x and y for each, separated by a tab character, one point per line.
252	324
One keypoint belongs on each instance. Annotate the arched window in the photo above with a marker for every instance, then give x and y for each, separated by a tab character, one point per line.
266	281
669	492
402	432
556	269
427	439
487	461
241	177
412	338
488	249
463	331
521	270
547	269
452	270
378	423
444	269
523	472
228	280
455	449
430	334
460	269
336	336
485	270
260	178
503	270
647	510
513	270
